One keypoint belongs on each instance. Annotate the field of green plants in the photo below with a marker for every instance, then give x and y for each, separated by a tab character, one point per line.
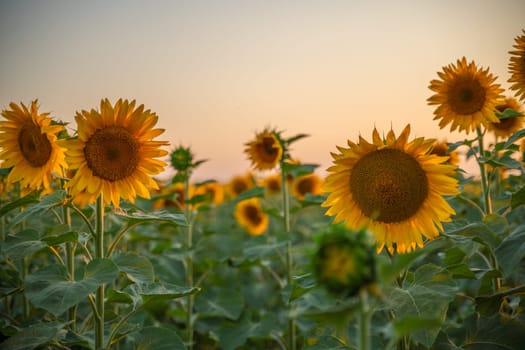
397	247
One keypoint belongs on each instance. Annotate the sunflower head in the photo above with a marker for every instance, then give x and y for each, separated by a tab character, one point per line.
441	149
344	262
510	124
30	147
250	216
393	187
238	184
182	160
115	153
266	151
517	67
272	183
304	184
465	96
213	191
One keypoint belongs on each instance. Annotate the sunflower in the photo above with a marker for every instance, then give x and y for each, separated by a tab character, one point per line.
393	187
250	216
309	183
213	189
238	184
266	151
517	67
114	153
272	183
507	126
30	146
440	148
172	196
466	96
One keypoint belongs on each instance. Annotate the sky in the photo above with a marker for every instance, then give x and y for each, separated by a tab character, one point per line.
217	72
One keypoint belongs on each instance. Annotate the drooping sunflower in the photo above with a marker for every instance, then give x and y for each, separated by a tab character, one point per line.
510	125
309	183
517	67
114	153
30	146
466	96
393	187
250	216
266	151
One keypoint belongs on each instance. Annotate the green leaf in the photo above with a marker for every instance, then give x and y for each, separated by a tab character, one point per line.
226	303
328	342
508	113
426	298
30	198
296	170
158	291
518	198
410	324
33	336
139	217
137	267
62	238
511	250
516	136
50	289
24	243
257	191
311	199
258	250
297	137
494	332
233	335
159	338
52	200
480	232
118	296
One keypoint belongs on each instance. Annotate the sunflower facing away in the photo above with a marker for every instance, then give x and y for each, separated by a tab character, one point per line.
517	67
266	151
250	216
114	153
508	126
466	96
393	187
30	146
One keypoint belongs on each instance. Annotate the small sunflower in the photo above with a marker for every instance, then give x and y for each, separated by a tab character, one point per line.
393	187
517	67
30	145
466	96
238	184
309	183
213	189
441	149
172	196
507	126
250	216
272	183
114	153
266	151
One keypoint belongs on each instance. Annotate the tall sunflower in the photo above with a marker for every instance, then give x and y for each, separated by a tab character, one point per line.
30	145
517	67
250	216
114	152
466	96
510	125
266	151
393	187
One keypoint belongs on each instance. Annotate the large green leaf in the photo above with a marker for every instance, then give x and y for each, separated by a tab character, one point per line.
518	198
145	292
511	250
494	333
33	336
50	289
227	303
256	191
24	243
52	200
20	202
137	267
159	338
425	298
140	217
233	335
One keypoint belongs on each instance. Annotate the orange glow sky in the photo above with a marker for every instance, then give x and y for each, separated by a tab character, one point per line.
216	72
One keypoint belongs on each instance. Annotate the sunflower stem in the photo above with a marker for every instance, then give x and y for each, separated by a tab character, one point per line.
99	253
364	325
289	256
485	186
189	262
70	261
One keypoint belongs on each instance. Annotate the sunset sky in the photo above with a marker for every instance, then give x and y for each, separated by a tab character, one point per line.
216	72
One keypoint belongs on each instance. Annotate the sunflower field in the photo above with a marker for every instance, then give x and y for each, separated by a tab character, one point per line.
397	247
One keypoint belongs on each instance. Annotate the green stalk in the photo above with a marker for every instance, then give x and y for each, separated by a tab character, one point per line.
289	256
99	253
189	262
487	200
70	258
364	324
